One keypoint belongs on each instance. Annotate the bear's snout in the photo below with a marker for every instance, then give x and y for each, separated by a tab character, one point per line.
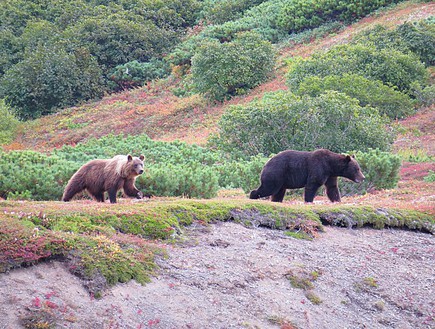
360	178
141	172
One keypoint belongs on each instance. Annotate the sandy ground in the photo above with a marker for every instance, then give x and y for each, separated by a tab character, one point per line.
229	276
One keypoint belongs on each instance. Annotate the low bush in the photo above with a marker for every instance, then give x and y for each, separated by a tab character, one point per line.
387	100
33	175
299	15
389	66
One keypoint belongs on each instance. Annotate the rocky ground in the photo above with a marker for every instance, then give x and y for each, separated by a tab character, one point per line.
228	276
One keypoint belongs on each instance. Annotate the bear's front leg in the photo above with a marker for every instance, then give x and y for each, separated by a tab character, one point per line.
332	189
131	190
310	191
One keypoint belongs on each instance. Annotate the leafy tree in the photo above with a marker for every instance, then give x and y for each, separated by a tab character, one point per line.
10	48
387	100
118	39
226	69
49	78
283	120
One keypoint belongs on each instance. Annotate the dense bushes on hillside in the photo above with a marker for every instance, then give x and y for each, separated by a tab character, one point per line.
417	37
283	120
274	20
90	38
389	66
50	78
114	34
298	15
387	100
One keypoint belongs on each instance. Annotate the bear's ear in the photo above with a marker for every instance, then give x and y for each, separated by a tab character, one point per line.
348	158
129	158
142	157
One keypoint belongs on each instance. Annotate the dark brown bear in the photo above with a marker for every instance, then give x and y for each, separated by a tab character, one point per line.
295	169
109	175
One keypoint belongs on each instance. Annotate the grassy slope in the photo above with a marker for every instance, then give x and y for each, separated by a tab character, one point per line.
113	241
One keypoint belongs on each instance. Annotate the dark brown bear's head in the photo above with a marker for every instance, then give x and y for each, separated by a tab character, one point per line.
134	166
352	169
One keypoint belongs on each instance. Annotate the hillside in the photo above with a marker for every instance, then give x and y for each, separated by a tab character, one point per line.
156	111
227	262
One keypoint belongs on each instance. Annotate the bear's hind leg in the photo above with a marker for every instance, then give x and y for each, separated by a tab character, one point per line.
265	190
332	189
278	197
73	187
99	197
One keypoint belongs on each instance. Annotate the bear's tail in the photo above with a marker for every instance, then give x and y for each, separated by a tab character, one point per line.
73	187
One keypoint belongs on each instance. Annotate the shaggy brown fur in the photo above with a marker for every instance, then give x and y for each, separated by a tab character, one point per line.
109	175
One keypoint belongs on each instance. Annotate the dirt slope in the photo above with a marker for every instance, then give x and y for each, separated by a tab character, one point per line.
229	276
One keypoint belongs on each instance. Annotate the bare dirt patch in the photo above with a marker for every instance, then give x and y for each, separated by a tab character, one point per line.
229	276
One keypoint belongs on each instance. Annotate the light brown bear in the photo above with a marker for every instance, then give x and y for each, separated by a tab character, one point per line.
108	175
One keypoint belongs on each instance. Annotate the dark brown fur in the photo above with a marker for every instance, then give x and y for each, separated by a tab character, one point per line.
108	175
295	169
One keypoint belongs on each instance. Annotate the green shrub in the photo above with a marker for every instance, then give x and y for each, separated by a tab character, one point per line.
116	39
387	100
298	15
135	74
241	173
283	120
416	37
192	181
219	12
430	178
8	123
225	69
390	66
425	96
420	39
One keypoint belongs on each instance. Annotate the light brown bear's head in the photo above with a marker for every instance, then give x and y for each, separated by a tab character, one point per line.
128	166
134	166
